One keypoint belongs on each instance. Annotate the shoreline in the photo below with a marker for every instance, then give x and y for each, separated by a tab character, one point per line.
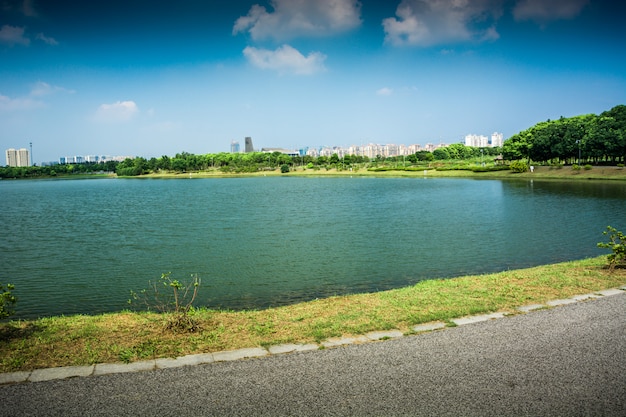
609	173
133	336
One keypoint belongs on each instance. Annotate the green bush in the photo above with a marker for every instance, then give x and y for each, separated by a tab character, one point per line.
7	301
519	166
576	167
617	243
620	165
587	167
284	168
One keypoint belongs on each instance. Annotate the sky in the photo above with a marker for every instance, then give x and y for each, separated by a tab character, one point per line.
152	78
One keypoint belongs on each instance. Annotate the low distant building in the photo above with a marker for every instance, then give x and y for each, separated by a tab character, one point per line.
281	150
18	157
480	141
234	147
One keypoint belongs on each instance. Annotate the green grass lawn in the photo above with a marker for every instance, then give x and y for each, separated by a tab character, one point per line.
131	336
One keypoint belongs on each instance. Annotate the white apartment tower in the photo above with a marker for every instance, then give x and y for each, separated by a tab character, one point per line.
18	157
497	139
476	141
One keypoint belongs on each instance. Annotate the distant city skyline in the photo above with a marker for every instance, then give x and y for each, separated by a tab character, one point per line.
370	150
156	78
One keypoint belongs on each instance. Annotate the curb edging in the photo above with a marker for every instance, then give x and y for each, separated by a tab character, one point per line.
65	372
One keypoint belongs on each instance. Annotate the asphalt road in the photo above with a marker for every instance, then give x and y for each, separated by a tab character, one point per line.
566	361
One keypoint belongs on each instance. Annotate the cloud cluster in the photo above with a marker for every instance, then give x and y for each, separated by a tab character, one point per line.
435	22
542	11
15	35
285	59
120	111
432	22
34	99
293	19
296	18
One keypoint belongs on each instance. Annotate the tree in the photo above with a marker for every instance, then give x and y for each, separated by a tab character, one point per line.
424	156
517	146
441	154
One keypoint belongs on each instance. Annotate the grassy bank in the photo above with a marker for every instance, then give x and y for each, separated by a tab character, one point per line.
130	336
540	172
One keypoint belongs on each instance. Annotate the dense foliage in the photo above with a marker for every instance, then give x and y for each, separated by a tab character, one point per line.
586	138
7	300
57	170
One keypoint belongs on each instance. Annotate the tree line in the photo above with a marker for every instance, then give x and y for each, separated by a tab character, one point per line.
227	162
57	170
580	139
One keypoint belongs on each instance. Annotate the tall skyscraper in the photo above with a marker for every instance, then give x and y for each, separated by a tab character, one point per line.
234	147
249	147
18	158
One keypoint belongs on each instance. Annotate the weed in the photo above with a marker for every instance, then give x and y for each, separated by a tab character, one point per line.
173	297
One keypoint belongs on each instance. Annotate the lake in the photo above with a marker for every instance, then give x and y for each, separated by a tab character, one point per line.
80	246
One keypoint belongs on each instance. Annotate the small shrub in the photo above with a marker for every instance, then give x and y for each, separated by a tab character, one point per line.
620	165
170	296
617	243
284	168
7	301
576	167
519	166
587	167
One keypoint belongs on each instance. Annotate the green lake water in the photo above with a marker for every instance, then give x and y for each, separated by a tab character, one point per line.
80	246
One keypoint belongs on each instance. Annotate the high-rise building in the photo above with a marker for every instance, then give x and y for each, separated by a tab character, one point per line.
234	147
477	141
497	139
18	157
249	147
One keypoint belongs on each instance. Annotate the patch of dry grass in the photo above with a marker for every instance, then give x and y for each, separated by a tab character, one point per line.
130	336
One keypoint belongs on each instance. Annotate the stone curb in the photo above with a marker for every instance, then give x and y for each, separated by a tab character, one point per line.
39	375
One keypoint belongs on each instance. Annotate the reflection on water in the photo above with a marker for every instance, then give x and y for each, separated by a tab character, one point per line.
74	246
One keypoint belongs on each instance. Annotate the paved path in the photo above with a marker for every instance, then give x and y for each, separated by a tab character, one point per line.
565	361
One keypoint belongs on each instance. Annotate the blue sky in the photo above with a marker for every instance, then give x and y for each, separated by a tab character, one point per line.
152	78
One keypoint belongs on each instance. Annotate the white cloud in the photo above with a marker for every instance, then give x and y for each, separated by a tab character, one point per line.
542	11
285	59
20	103
294	18
46	39
427	23
120	111
13	35
43	89
385	91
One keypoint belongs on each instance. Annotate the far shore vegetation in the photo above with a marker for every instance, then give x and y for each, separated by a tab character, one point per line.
132	336
580	147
